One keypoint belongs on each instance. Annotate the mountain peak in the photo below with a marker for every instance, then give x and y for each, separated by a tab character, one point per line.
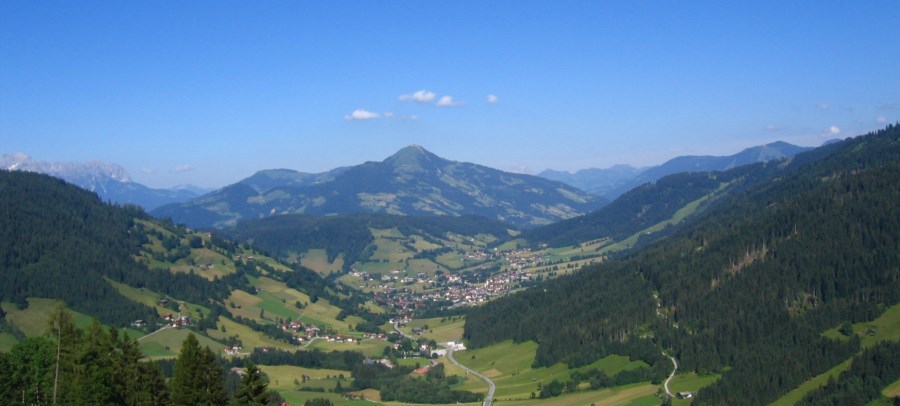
413	158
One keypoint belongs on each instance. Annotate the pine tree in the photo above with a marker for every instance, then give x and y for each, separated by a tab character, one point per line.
253	388
197	380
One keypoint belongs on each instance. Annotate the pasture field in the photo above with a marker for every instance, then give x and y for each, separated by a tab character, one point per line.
613	364
798	393
412	361
421	244
250	338
317	260
512	245
281	377
691	382
639	394
676	218
390	250
275	306
7	341
509	366
375	267
275	299
167	343
424	265
451	260
369	348
34	320
892	390
882	401
440	331
386	233
884	328
151	299
295	397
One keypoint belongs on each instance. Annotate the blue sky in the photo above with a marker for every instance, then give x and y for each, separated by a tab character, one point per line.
210	92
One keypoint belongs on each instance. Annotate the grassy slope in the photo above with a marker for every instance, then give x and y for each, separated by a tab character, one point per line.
167	343
438	331
509	366
34	320
7	341
317	260
885	327
249	338
151	299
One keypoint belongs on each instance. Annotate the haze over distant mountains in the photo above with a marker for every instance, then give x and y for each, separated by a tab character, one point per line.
614	181
412	181
110	181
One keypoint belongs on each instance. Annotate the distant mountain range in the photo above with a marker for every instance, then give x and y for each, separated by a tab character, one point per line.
411	182
616	180
110	181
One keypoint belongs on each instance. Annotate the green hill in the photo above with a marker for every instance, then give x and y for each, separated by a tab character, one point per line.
119	265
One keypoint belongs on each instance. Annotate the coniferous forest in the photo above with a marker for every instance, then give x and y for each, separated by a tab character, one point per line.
746	290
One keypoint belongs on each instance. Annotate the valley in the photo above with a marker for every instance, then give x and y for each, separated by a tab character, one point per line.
579	311
449	203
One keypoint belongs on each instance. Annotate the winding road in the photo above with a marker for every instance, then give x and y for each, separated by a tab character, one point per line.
491	387
672	375
490	395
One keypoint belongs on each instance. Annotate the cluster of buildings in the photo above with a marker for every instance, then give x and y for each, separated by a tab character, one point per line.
467	288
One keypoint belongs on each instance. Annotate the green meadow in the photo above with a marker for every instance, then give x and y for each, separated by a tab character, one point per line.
7	341
509	366
639	394
439	331
166	343
317	260
249	338
34	320
369	348
884	328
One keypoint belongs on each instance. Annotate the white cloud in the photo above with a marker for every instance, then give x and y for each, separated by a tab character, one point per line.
388	115
447	101
834	130
492	99
822	106
148	171
183	168
361	114
881	120
421	96
772	128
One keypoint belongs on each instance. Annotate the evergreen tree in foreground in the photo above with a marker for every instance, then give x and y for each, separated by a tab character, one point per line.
197	380
253	388
74	367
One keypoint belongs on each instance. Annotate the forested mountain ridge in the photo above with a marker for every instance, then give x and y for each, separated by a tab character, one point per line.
617	180
117	264
411	182
749	286
655	202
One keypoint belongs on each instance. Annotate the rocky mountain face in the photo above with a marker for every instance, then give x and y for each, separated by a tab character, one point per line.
110	181
614	181
411	182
